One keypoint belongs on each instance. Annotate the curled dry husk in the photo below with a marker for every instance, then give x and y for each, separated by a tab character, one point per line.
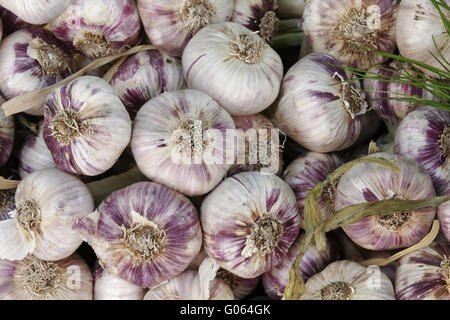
368	182
317	108
249	223
170	24
145	233
291	8
308	170
443	213
259	16
99	28
348	280
424	136
36	12
174	137
34	155
7	204
314	261
6	135
421	31
36	279
86	126
10	21
234	66
145	75
258	146
347	28
108	286
424	274
42	221
32	59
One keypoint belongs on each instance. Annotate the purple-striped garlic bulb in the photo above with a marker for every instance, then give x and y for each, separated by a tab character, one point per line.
45	212
249	222
34	155
317	109
86	126
174	138
32	59
145	75
348	280
424	274
346	29
108	286
424	136
258	146
380	94
307	171
235	66
36	12
36	279
367	182
259	16
7	204
314	261
170	24
6	135
145	233
99	28
291	8
10	21
443	212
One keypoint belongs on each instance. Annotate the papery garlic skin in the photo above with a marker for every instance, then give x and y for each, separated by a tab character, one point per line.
259	16
419	30
173	135
367	182
86	126
170	24
36	12
234	66
424	136
31	59
34	155
424	274
7	204
99	28
314	261
6	135
307	171
249	222
11	22
316	108
443	212
345	28
36	279
348	280
145	75
145	233
45	212
108	286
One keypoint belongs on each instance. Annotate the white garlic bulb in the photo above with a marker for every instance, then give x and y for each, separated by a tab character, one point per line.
36	12
234	66
6	135
44	215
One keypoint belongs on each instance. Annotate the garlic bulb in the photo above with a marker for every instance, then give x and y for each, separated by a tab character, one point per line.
308	170
314	261
420	29
348	280
10	21
424	274
366	182
346	28
36	12
86	126
234	66
258	146
174	135
257	15
316	108
145	75
32	59
443	213
170	24
145	233
108	286
45	212
291	8
424	136
379	94
99	28
6	135
34	155
36	279
249	222
7	204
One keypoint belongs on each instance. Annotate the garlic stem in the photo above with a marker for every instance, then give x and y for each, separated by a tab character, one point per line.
287	40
